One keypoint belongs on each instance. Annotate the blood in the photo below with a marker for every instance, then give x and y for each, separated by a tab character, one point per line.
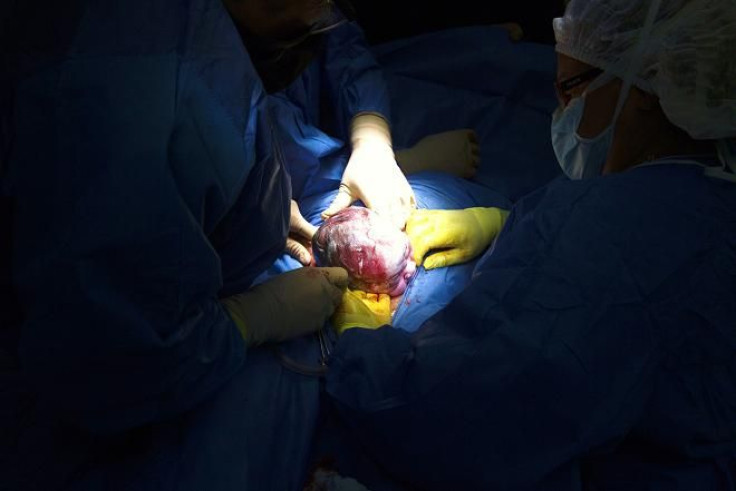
376	255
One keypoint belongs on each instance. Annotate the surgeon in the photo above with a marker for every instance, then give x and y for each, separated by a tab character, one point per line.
147	193
332	112
324	54
595	346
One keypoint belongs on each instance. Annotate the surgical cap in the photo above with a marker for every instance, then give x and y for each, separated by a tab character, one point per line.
686	55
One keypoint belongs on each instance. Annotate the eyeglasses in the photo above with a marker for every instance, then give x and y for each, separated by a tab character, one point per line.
563	88
331	19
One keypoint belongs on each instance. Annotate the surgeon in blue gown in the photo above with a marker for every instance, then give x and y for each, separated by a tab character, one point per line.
330	109
332	113
147	193
595	346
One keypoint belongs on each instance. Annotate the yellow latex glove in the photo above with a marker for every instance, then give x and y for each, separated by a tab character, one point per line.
361	309
461	234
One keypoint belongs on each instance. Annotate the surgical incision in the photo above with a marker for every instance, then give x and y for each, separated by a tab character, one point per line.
377	256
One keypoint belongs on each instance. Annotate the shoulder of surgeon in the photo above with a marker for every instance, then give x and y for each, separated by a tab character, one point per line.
657	202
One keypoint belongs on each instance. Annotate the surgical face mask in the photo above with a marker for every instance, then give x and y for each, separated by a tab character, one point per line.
582	158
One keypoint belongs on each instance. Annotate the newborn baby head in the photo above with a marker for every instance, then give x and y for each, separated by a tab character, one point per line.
376	255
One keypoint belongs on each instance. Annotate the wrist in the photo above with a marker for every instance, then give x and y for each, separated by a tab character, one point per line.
370	129
231	308
490	221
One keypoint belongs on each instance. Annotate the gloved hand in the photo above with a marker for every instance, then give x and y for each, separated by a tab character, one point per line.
289	305
300	236
461	234
372	174
455	152
361	309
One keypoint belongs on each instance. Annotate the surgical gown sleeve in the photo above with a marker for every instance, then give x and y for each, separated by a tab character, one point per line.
123	162
549	354
354	79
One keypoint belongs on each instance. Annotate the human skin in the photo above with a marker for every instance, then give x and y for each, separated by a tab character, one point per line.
642	132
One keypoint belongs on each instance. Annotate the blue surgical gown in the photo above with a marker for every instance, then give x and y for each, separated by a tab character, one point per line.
313	114
594	348
145	184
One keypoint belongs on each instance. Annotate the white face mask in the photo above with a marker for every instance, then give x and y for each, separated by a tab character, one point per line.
582	158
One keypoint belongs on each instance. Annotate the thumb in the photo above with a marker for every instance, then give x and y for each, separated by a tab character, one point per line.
336	276
418	229
298	251
343	199
446	258
420	248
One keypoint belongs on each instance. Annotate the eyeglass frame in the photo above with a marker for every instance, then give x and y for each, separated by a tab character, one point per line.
285	45
568	84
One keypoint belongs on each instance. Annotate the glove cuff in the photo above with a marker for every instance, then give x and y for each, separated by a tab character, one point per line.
370	128
252	311
491	221
231	307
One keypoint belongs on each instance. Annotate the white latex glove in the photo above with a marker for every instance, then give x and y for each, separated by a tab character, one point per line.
300	236
289	305
456	152
372	175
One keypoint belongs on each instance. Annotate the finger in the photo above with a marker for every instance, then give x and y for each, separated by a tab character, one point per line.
475	152
337	277
298	251
299	224
413	201
304	229
417	227
419	251
443	259
343	199
387	211
397	213
419	245
410	199
470	171
418	223
424	235
403	208
399	216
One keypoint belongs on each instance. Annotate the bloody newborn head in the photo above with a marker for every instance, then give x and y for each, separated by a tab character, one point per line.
377	256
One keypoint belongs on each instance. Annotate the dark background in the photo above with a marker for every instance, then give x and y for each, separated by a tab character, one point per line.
386	20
